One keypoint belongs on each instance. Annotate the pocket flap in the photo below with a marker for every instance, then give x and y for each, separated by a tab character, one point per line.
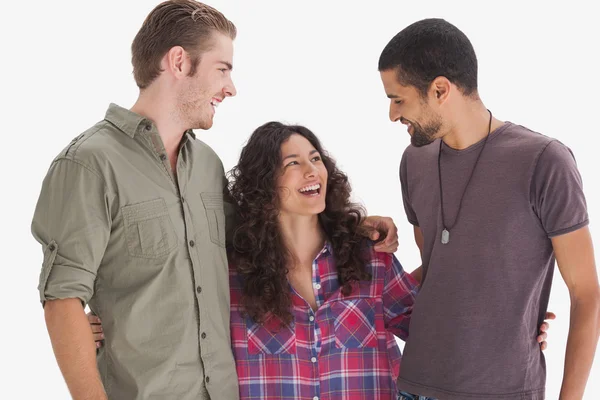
212	200
145	210
360	290
271	337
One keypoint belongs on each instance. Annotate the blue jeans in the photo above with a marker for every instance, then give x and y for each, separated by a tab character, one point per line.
407	396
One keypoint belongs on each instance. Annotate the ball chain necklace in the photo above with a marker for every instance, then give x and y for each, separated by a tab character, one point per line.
447	228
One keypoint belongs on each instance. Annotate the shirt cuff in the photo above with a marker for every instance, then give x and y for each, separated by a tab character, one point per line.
66	282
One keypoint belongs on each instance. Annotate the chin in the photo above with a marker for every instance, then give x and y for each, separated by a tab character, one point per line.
202	125
320	209
312	211
202	120
420	141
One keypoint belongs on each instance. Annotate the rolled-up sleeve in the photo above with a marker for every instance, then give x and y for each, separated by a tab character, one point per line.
399	295
72	222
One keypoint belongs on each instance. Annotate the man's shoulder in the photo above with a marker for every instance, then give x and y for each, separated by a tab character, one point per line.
513	138
523	139
413	155
97	143
423	151
205	151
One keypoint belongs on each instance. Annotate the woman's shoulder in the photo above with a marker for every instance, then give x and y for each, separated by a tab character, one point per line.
370	255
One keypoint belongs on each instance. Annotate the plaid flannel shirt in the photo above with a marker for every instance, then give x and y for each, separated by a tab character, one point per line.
345	350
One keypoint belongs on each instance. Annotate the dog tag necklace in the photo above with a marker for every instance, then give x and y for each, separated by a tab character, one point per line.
447	228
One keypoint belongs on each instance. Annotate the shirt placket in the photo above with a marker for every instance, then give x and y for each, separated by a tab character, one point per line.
179	186
191	244
316	330
318	291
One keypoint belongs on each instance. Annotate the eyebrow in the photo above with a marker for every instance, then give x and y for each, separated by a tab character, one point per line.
227	64
296	155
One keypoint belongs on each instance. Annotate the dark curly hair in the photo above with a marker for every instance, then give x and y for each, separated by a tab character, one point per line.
259	253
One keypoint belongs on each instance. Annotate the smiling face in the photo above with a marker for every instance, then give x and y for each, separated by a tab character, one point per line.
408	106
201	93
302	183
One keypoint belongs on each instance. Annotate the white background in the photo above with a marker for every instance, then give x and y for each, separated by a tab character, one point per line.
309	62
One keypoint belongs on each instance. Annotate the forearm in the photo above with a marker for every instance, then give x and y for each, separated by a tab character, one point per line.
581	345
418	274
74	348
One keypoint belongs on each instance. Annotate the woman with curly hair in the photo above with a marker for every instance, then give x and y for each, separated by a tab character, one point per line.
314	308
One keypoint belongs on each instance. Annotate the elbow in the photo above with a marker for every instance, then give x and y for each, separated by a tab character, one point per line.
597	303
587	307
594	304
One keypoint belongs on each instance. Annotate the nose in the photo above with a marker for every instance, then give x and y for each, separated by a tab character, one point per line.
394	114
229	90
311	171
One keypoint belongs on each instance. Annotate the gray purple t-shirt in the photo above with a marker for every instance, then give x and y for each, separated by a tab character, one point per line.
485	293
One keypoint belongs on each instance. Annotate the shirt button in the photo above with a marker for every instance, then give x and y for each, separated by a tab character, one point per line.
207	379
318	286
163	157
192	243
198	289
311	318
51	247
148	127
203	335
313	360
316	398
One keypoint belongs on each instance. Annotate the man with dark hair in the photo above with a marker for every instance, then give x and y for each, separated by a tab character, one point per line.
493	206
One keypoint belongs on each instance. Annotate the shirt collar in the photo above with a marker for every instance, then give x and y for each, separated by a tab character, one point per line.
325	251
127	121
131	123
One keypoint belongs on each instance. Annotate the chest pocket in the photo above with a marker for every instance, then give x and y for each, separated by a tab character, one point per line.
215	214
354	322
270	337
148	229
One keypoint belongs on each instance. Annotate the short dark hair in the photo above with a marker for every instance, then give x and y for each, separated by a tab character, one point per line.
186	23
430	48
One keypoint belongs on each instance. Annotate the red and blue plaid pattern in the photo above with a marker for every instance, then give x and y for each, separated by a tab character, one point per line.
354	323
345	350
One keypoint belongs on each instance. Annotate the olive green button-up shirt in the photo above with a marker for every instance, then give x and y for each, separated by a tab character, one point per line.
146	249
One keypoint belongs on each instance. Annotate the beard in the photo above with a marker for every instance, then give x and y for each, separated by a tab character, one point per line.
195	108
425	134
197	114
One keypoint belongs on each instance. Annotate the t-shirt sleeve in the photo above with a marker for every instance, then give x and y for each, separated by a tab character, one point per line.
410	213
72	222
557	191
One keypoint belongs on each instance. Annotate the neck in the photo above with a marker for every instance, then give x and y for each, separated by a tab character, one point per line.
303	237
158	107
469	124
